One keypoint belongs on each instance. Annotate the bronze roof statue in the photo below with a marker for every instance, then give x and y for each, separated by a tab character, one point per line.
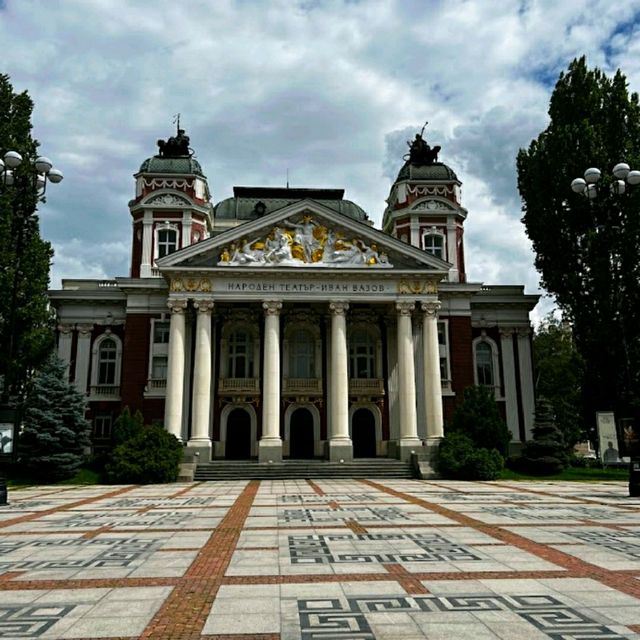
420	153
175	147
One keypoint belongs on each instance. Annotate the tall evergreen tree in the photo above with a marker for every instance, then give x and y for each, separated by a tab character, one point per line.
55	434
25	322
558	371
587	250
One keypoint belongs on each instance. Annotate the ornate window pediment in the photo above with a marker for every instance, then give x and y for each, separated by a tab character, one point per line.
168	200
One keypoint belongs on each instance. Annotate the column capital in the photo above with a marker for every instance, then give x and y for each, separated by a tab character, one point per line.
523	331
272	307
65	328
405	308
203	306
177	305
338	307
84	329
431	308
505	332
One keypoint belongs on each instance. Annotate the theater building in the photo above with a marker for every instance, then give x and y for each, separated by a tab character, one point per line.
279	323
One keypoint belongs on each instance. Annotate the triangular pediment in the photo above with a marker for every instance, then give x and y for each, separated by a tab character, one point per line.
304	234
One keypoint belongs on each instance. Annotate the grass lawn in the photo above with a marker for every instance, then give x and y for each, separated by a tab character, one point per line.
84	476
572	474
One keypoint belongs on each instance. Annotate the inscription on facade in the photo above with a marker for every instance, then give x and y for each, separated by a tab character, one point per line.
306	287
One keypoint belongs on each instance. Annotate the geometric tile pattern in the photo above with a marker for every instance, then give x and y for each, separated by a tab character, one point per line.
363	514
110	552
626	543
545	512
330	618
430	547
139	503
84	521
305	498
30	621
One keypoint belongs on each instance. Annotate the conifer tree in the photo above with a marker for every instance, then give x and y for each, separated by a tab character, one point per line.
587	249
545	454
26	334
55	434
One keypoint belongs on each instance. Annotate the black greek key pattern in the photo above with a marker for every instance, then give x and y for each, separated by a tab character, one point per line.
337	618
625	543
95	520
302	498
30	621
110	552
542	512
430	547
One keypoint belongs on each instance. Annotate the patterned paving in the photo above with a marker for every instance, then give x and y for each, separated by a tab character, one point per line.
322	560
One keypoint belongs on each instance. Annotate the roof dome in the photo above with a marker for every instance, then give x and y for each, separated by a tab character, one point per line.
186	165
438	171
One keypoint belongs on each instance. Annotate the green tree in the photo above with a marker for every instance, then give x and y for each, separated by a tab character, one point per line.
587	249
478	418
558	371
26	335
55	434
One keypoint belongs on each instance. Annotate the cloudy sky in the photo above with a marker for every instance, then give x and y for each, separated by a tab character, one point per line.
329	90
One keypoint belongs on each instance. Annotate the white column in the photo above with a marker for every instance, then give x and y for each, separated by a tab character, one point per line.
510	389
406	383
432	382
147	244
200	435
83	357
340	447
452	250
526	379
65	340
187	221
414	226
270	445
175	369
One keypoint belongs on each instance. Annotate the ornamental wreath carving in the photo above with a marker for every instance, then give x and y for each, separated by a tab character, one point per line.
168	200
305	243
191	285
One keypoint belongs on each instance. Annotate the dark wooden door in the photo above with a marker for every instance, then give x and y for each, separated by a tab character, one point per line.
238	445
363	434
301	434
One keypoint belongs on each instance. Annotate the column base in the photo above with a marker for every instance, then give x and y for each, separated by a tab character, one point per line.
424	461
406	446
199	450
340	450
270	450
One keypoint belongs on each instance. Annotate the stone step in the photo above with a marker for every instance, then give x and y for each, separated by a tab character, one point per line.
302	469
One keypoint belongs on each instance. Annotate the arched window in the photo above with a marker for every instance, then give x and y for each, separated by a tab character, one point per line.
240	355
362	354
484	364
434	244
302	354
107	359
486	368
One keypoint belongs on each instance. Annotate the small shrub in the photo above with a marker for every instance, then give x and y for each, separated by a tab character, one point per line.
545	455
151	456
127	426
460	459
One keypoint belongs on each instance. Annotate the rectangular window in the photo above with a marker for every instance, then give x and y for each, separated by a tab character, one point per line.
102	427
160	332
167	242
443	343
159	368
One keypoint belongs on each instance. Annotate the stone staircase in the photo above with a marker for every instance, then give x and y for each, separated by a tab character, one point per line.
303	469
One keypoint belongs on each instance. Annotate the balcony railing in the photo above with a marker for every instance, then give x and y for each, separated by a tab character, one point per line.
307	386
105	392
231	386
366	386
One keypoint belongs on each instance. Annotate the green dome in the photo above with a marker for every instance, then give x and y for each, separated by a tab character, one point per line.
173	166
437	171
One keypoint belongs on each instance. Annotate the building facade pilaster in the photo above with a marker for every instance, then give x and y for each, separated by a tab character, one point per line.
83	357
526	380
65	342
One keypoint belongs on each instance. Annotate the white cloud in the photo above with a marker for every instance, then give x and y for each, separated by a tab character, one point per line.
327	89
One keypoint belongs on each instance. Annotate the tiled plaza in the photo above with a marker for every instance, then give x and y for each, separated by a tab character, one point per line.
323	560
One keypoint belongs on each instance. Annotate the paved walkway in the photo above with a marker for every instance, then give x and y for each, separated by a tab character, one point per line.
322	560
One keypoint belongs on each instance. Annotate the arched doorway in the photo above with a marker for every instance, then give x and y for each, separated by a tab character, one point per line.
301	434
238	444
363	434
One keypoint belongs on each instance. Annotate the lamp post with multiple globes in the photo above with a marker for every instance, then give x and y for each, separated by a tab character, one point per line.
25	182
613	238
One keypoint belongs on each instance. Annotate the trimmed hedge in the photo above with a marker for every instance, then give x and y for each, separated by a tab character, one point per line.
460	459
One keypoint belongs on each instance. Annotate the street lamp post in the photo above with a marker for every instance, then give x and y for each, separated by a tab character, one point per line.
26	182
610	227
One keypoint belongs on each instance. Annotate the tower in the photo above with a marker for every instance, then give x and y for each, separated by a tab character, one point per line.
171	209
423	207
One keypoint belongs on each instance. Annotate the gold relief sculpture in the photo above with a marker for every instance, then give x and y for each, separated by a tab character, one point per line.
418	287
191	285
303	242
